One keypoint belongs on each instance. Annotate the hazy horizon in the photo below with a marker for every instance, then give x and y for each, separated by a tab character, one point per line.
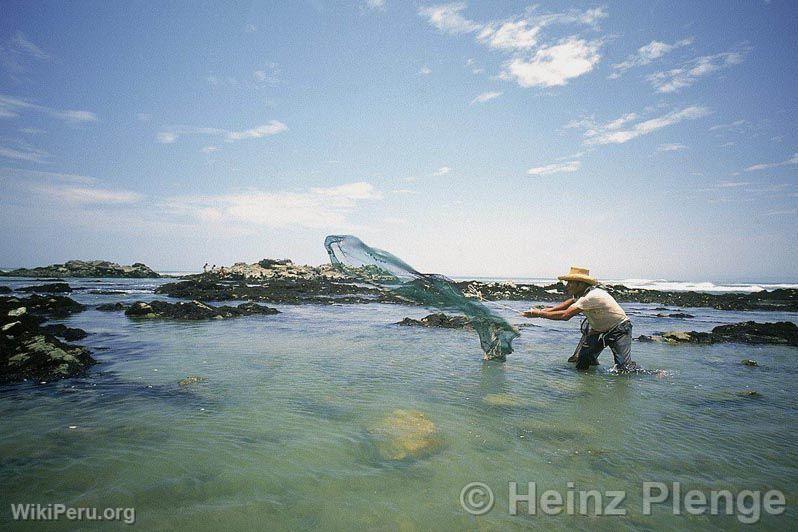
647	140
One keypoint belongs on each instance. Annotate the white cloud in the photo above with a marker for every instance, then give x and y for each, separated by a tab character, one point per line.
20	175
486	97
735	126
684	76
143	117
375	4
319	208
210	149
447	18
75	116
621	130
86	195
781	212
18	53
671	147
512	35
766	166
166	137
443	170
732	184
269	74
647	54
554	65
11	107
250	28
425	71
555	168
273	127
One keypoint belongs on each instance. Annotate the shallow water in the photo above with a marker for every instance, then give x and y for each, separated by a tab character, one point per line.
277	436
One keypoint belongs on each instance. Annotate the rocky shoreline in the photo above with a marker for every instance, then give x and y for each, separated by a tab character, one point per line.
282	281
749	332
82	268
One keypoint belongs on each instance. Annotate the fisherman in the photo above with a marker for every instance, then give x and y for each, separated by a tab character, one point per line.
605	323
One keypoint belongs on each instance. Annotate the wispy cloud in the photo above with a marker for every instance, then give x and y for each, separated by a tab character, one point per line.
629	127
375	4
443	170
210	149
486	97
269	74
12	107
18	53
648	54
736	126
425	70
555	168
687	74
170	135
448	18
766	166
32	155
671	147
86	195
318	208
63	188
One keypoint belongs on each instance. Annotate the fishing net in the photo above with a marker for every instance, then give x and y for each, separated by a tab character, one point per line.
377	267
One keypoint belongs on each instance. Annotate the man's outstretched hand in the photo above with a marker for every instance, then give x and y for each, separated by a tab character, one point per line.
531	313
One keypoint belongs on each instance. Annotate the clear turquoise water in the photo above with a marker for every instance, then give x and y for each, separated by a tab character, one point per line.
277	438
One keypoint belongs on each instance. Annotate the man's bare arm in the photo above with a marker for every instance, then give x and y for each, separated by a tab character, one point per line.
559	315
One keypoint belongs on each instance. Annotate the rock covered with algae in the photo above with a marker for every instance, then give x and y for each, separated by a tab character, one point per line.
405	435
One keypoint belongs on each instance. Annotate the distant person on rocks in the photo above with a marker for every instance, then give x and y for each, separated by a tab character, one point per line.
605	323
205	268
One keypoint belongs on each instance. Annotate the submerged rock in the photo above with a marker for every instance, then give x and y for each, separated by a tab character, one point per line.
749	362
191	379
193	310
675	315
405	434
80	268
502	399
749	332
438	319
50	288
5	290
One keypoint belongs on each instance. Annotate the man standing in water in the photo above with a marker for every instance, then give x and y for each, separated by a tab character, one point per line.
605	323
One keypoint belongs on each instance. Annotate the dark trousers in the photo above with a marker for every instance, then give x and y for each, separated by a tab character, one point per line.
618	339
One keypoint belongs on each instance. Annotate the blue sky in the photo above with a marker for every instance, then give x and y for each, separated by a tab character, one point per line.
640	139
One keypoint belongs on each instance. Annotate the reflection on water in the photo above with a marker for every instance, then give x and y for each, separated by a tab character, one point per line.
281	432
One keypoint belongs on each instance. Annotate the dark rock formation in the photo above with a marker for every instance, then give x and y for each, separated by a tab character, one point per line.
111	307
193	310
676	315
29	350
5	290
276	290
80	268
749	332
438	319
749	362
47	288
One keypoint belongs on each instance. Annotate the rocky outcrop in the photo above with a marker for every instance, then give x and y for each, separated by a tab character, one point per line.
276	289
438	319
50	288
749	332
5	290
405	435
111	307
81	268
30	350
193	310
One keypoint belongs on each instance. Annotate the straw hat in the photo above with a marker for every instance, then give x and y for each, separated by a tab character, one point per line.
578	274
